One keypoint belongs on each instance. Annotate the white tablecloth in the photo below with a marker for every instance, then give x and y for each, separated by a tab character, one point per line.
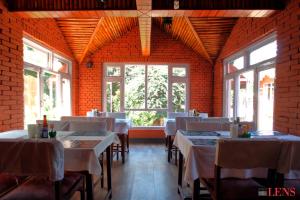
170	127
200	159
81	153
122	126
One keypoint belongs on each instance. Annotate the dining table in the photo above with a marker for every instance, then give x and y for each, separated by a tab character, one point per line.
81	153
198	149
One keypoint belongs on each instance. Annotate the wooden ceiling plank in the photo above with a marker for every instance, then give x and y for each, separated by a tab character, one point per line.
198	40
97	28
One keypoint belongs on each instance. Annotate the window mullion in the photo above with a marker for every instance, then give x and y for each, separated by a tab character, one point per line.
146	87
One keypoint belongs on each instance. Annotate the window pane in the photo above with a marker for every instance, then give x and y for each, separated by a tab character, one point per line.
66	97
230	96
263	53
31	97
236	64
35	56
49	96
245	106
113	97
60	66
113	71
178	97
157	86
266	99
147	118
179	71
134	86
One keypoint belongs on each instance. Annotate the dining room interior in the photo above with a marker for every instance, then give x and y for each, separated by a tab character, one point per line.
149	99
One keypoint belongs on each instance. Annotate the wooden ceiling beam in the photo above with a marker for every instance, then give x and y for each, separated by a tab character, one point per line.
86	49
145	22
221	4
199	41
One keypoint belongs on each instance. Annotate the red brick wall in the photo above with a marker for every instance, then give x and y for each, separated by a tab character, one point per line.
164	49
11	61
287	92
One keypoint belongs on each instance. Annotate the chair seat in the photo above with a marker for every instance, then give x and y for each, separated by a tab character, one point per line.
234	188
8	182
40	188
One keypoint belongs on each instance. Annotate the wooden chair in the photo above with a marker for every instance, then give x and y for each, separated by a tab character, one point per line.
241	154
8	182
43	162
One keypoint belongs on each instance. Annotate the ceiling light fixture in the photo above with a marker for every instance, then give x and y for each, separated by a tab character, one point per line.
176	4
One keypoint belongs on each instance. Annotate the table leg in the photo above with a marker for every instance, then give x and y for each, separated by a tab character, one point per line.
89	185
180	168
108	166
169	148
196	189
122	138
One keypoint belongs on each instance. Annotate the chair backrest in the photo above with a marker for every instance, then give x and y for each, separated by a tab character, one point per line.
173	115
181	122
248	153
216	119
206	126
110	121
117	115
87	126
58	125
33	157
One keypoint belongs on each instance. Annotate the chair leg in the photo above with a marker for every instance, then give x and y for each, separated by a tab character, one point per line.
127	142
117	152
102	172
82	194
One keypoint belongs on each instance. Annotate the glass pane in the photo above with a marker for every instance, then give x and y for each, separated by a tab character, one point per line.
113	71
245	106
147	118
35	56
66	97
134	86
179	71
266	99
157	86
113	96
178	97
263	53
49	96
31	97
236	64
230	96
60	66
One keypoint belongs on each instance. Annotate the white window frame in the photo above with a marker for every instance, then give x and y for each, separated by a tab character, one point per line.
256	68
171	79
49	68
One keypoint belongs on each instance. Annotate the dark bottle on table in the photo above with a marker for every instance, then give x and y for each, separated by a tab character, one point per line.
44	133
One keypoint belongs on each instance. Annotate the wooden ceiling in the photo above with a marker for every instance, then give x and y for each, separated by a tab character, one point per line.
213	32
202	25
85	36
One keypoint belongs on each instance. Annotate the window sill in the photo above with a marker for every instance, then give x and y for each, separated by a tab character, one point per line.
147	128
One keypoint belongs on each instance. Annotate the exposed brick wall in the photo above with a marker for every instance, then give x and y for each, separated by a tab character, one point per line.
287	93
164	49
11	62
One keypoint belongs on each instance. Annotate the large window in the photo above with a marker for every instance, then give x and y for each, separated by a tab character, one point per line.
146	92
249	84
47	85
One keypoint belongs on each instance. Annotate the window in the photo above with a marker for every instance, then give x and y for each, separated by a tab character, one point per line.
47	85
249	84
146	92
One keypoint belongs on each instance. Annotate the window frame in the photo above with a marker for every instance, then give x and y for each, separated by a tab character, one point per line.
49	68
121	79
256	68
